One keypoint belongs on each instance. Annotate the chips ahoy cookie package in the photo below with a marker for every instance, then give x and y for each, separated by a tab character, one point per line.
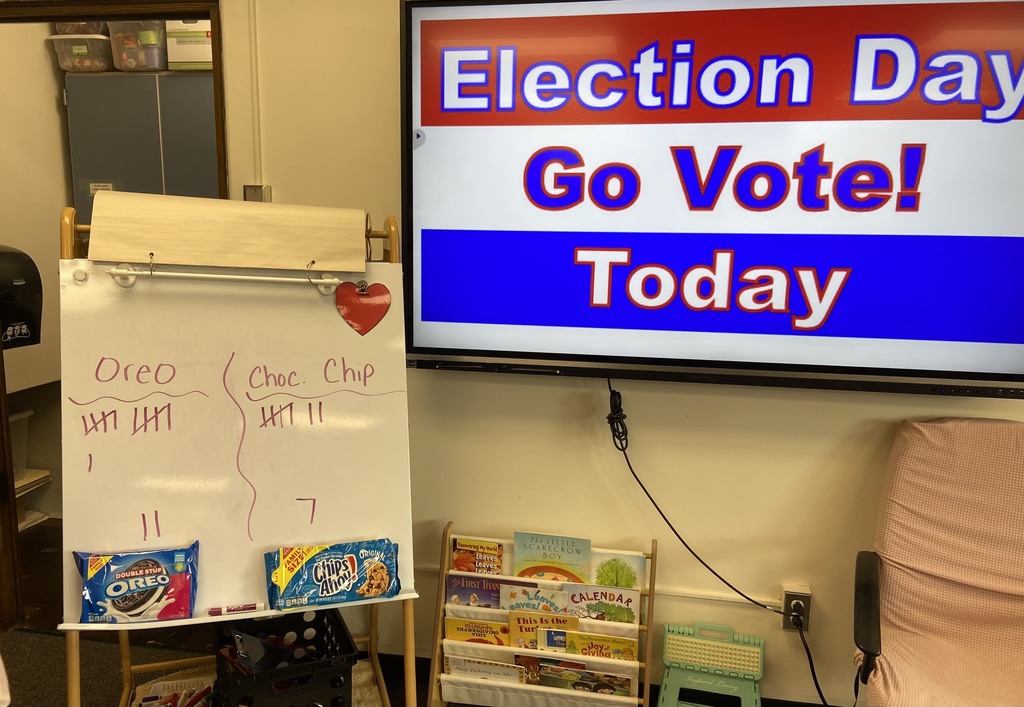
315	575
148	585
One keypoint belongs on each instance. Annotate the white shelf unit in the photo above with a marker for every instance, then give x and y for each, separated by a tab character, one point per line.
32	480
446	688
25	480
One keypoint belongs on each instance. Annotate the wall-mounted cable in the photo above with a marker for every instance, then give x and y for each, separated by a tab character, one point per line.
620	438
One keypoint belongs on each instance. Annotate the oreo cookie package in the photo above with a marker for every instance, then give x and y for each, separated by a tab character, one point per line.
149	585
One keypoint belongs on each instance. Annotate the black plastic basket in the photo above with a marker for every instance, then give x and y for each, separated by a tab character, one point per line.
320	638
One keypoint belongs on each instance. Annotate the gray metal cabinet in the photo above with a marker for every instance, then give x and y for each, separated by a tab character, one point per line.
142	132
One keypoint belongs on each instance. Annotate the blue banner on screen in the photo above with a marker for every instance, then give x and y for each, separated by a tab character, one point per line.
919	287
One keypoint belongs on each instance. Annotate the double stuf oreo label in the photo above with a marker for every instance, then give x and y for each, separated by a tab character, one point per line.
135	589
144	585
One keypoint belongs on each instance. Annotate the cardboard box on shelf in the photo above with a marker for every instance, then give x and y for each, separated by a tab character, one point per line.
189	45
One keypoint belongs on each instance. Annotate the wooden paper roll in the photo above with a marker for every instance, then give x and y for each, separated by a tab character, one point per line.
129	227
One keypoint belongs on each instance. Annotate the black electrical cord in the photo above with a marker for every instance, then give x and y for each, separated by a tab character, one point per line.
798	621
617	421
620	438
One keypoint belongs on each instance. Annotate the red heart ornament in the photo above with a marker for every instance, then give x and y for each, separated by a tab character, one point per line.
362	305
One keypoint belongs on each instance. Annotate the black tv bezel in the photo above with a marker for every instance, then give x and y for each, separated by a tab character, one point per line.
773	375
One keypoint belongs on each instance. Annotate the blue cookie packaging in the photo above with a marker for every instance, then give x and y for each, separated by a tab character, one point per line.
148	585
316	575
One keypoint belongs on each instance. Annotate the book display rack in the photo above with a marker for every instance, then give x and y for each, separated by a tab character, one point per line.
542	620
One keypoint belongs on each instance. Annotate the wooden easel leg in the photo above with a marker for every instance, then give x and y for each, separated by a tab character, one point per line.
74	669
409	627
378	674
126	668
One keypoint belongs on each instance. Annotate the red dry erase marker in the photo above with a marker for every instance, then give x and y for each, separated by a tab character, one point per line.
237	609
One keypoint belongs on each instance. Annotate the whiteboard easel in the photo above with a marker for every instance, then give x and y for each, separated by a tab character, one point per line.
222	584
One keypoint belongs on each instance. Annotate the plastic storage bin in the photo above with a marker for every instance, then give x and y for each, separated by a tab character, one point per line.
301	658
138	45
83	52
80	27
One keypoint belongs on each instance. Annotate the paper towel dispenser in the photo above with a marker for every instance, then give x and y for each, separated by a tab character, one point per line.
21	299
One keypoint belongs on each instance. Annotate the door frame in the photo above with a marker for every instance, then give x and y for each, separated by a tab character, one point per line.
11	609
85	10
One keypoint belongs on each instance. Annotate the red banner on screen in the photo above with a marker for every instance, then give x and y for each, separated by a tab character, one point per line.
957	61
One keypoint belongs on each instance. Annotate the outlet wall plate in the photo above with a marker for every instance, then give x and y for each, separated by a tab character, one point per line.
796	593
256	192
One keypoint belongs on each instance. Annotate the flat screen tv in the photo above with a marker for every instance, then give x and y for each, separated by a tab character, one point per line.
816	194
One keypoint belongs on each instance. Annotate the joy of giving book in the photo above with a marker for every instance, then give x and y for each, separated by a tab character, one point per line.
557	558
591	601
523	625
598	645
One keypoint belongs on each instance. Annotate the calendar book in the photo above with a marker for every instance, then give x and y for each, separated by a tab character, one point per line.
605	603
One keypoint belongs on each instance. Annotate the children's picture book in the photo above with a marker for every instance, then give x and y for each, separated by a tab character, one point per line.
477	555
618	569
523	625
551	639
559	664
558	558
516	598
494	633
573	676
591	601
479	590
487	669
531	667
598	645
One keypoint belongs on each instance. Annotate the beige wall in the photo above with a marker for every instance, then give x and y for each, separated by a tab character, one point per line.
317	120
33	188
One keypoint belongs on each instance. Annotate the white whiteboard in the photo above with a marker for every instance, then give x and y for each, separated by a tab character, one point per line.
249	416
